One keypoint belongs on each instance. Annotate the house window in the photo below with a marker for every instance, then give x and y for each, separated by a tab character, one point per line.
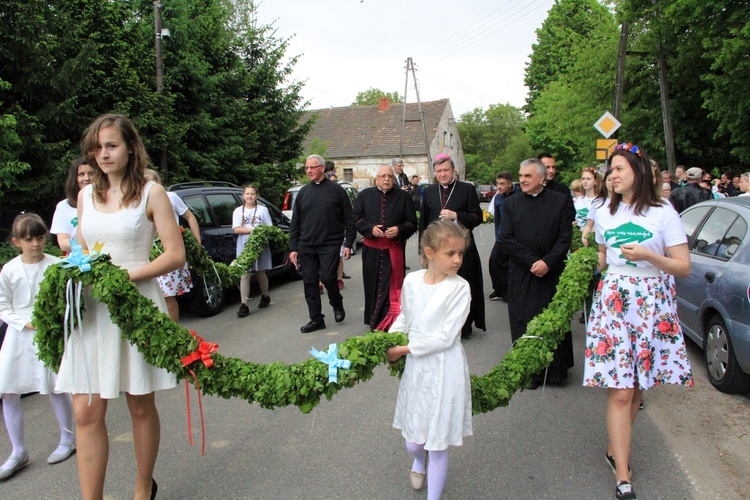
348	175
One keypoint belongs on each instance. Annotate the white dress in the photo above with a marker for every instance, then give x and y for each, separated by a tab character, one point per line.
99	361
259	216
434	397
21	371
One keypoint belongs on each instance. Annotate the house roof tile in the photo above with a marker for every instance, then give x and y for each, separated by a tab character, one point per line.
366	131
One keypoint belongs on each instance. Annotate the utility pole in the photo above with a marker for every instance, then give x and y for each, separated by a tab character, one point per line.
159	79
665	111
159	60
620	83
403	114
410	67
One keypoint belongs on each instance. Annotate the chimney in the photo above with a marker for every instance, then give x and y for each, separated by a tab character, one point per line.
383	103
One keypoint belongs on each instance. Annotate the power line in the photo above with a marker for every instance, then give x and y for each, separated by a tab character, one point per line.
426	54
492	30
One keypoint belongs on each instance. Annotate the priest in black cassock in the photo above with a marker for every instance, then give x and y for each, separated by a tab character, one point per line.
550	183
537	227
386	218
457	201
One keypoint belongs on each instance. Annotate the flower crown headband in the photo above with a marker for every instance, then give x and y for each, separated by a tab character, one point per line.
629	146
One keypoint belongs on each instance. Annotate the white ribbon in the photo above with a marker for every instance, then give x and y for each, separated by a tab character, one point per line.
73	299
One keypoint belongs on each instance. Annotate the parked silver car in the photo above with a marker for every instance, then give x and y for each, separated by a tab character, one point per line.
714	301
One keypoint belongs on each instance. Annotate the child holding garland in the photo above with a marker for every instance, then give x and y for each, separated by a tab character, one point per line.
433	409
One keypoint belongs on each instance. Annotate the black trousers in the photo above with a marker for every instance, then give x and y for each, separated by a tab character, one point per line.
320	263
499	260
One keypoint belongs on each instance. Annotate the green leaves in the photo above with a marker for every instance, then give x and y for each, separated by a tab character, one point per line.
164	343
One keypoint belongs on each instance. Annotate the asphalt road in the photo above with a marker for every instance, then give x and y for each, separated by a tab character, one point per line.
548	443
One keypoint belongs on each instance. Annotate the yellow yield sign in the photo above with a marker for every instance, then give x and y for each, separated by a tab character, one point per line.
607	124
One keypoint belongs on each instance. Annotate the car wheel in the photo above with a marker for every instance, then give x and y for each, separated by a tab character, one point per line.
208	297
723	370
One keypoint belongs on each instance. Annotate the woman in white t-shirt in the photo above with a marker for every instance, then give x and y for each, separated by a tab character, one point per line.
245	219
65	219
633	340
591	183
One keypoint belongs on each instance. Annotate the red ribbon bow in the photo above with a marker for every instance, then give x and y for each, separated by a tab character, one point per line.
203	352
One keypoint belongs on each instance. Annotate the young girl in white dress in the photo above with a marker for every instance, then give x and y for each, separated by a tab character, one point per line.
65	219
244	220
21	371
633	340
433	409
122	211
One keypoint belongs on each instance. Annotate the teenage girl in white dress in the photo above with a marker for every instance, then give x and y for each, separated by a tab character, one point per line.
245	219
122	211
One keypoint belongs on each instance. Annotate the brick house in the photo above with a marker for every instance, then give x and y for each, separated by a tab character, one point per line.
361	138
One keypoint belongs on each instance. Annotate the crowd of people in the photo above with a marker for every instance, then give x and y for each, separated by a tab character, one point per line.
112	197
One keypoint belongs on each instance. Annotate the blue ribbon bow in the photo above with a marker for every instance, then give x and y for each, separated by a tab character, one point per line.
331	358
76	257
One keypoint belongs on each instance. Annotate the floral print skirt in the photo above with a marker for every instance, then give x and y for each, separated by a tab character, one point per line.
176	283
634	337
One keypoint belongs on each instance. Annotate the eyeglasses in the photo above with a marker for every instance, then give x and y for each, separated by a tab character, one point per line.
386	176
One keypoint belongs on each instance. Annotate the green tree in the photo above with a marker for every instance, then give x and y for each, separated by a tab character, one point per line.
570	25
485	136
228	109
518	149
706	89
371	96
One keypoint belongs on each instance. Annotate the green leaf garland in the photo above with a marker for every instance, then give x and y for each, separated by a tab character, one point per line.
164	343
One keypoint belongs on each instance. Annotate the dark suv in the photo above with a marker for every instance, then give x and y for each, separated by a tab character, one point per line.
213	203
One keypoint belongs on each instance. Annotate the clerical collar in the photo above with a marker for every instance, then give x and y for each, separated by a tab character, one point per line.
321	181
384	192
537	194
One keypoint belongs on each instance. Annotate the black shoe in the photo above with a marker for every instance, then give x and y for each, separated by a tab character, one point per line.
265	300
582	319
624	491
466	332
495	296
407	268
154	488
244	311
345	276
313	325
339	314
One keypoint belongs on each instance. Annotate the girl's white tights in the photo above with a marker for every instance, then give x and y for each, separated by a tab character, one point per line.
437	468
13	415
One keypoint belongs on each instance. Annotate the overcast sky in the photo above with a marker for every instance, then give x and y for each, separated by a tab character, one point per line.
473	52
